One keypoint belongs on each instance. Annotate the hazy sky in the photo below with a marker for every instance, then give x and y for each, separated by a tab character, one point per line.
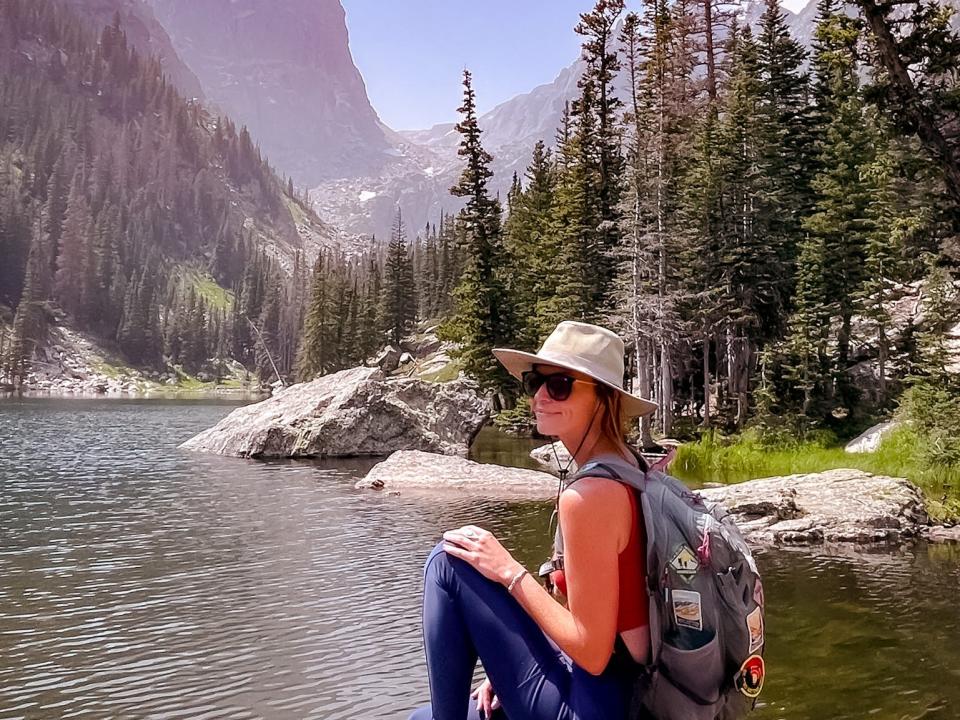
412	52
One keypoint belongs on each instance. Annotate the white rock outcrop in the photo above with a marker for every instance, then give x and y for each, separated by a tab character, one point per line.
869	440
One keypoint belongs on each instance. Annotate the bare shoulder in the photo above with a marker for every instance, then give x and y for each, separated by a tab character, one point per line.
596	511
593	494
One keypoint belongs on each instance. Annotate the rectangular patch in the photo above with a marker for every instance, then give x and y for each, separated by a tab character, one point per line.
686	609
755	626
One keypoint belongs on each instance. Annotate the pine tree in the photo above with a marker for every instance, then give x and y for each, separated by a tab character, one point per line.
842	197
600	159
399	290
74	236
314	356
482	318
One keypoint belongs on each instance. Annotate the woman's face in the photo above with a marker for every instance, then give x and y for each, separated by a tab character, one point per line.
564	418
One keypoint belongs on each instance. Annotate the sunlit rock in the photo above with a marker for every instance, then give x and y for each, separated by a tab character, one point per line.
423	472
356	412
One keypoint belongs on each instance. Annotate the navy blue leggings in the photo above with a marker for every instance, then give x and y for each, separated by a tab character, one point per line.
466	616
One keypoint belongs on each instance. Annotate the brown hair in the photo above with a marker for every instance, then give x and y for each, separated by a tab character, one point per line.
613	418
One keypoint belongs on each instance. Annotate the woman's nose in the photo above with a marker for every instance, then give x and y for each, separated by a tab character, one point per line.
540	397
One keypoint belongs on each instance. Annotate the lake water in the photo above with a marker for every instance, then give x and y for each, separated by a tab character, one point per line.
141	581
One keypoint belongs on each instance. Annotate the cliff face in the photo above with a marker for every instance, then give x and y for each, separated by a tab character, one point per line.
145	33
285	71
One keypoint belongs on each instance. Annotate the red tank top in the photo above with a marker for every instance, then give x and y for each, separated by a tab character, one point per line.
632	604
633	610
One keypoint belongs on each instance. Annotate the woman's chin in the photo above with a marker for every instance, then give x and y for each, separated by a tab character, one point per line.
546	427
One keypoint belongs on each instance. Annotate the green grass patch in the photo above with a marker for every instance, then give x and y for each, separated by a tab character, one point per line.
745	457
448	373
207	288
296	212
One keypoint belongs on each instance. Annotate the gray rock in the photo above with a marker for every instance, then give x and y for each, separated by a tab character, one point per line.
941	534
357	412
406	358
389	359
413	471
545	456
422	345
869	440
836	506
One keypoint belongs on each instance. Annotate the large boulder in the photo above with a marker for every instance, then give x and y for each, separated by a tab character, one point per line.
357	412
423	472
849	506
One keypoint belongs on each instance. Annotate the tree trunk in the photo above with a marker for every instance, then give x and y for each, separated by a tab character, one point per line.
666	380
706	376
913	105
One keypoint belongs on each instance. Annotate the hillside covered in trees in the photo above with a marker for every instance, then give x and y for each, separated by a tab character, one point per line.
134	214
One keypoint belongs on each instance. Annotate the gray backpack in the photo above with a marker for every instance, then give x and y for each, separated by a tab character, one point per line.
706	603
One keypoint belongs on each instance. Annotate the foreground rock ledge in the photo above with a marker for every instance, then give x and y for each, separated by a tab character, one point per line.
836	506
423	472
356	412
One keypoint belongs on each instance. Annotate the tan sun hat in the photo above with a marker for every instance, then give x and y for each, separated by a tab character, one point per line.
590	349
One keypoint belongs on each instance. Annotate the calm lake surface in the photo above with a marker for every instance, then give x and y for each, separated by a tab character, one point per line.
141	581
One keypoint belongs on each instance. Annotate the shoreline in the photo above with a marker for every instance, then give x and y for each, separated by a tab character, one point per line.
160	392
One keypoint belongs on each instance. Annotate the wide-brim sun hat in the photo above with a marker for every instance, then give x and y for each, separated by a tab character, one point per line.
589	349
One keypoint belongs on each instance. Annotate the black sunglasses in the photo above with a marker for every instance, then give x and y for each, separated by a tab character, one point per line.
559	385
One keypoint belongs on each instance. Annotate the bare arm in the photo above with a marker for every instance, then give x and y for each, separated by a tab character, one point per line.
592	516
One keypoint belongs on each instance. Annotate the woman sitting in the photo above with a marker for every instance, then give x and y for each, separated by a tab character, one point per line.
543	658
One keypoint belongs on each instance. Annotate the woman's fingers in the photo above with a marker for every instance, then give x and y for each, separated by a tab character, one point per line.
459	552
488	698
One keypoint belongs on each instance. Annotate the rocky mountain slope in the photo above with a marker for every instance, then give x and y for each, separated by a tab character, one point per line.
145	33
284	69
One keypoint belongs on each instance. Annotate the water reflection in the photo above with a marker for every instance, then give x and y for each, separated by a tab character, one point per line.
137	580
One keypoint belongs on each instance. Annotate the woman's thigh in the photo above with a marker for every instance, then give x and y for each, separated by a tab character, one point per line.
534	680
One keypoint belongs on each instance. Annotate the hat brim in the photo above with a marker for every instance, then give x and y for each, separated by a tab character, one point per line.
518	362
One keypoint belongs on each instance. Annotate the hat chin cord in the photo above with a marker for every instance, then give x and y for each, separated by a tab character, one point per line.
563	471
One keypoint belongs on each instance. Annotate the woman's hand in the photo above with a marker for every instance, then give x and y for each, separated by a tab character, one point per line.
487	701
483	551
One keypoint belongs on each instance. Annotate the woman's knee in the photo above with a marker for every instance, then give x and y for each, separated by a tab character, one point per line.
421	713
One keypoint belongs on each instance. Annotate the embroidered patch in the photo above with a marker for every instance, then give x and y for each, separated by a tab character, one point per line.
750	677
755	626
758	593
686	609
685	563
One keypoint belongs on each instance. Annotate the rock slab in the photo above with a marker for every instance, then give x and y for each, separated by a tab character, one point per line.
356	412
869	440
424	472
836	506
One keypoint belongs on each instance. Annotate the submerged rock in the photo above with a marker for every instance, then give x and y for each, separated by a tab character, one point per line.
424	472
354	412
836	506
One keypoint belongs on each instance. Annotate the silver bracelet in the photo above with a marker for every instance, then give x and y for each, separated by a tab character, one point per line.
516	578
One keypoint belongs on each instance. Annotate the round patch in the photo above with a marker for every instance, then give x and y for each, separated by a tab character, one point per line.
750	677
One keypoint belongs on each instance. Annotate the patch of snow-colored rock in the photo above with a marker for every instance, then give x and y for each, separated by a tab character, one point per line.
355	412
869	440
423	472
